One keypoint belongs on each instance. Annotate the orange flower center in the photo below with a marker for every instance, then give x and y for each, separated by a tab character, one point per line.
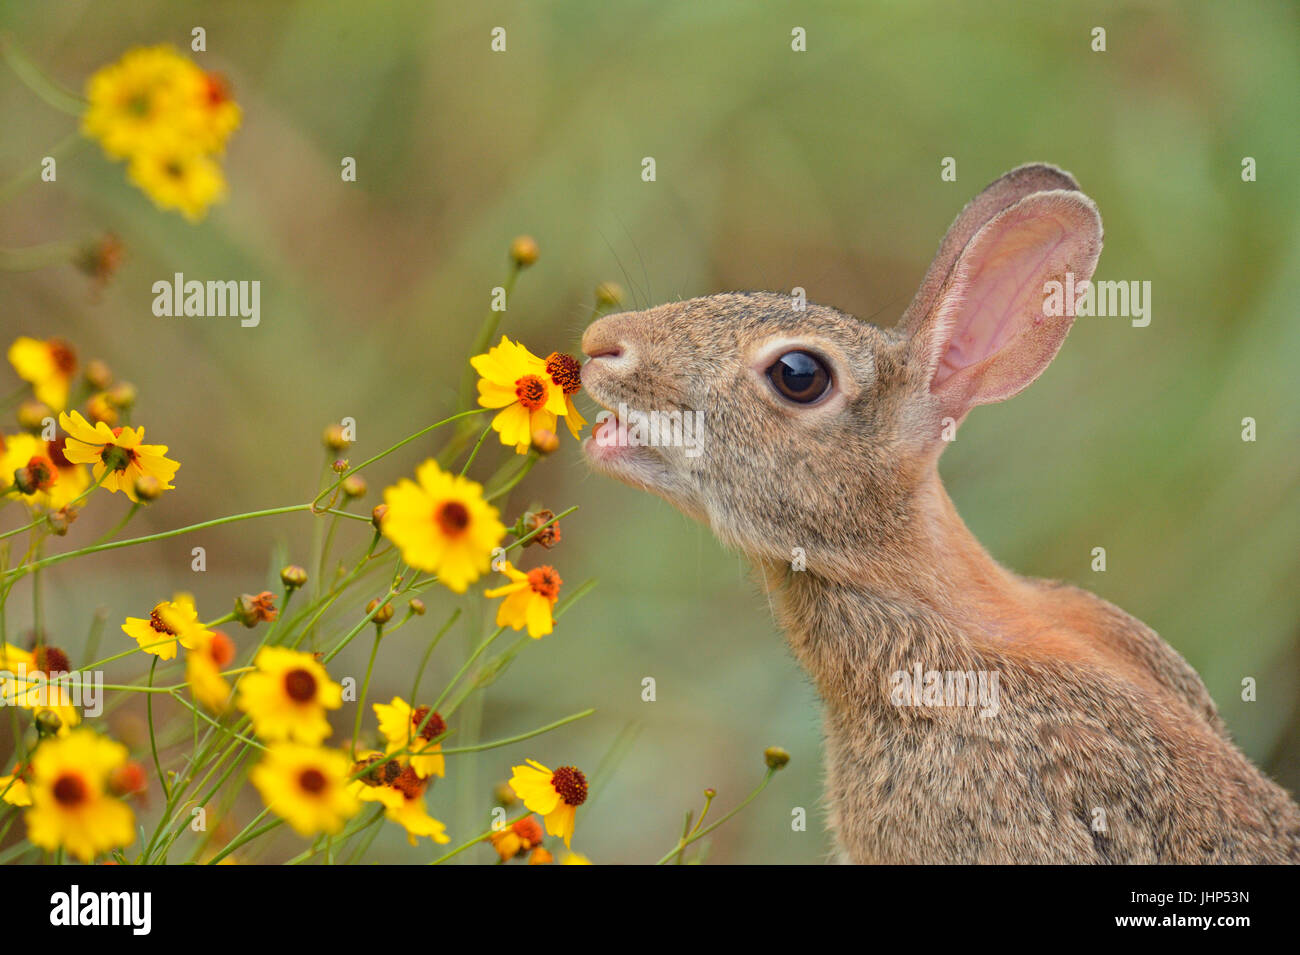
70	790
571	784
432	729
41	473
158	623
300	685
312	781
409	784
217	89
565	372
64	358
54	451
221	649
528	829
545	581
452	517
531	392
51	660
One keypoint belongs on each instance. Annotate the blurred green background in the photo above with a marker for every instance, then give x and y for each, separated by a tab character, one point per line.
774	169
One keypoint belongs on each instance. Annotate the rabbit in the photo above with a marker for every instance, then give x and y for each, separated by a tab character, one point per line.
819	457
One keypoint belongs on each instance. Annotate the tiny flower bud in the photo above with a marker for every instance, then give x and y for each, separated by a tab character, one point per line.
340	466
221	649
293	576
710	793
524	251
335	439
98	375
775	757
417	606
101	257
127	779
504	795
609	293
38	475
354	485
382	615
545	441
122	394
32	414
546	535
250	610
148	487
47	722
377	515
99	408
60	520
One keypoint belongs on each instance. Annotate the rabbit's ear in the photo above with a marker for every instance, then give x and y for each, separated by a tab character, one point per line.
986	336
998	195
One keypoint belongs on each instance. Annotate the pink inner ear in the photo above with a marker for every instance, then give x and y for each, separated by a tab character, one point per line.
1003	295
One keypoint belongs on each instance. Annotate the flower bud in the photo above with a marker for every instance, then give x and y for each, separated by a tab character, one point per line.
504	795
32	414
47	722
38	475
354	485
609	294
98	374
293	576
377	515
382	615
335	438
340	466
127	779
148	487
545	441
775	757
524	251
417	606
250	610
99	408
122	395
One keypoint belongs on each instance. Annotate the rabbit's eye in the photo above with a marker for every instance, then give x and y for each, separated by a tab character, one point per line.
800	376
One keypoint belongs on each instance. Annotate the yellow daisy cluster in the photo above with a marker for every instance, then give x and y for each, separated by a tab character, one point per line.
52	472
532	393
169	120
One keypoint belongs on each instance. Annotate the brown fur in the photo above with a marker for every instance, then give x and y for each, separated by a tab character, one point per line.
1097	712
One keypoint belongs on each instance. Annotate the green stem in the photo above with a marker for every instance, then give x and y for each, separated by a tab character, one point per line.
681	846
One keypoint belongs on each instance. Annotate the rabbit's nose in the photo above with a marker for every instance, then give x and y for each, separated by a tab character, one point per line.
607	340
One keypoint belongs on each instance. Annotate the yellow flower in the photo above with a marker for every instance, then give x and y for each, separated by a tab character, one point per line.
403	802
567	375
530	599
72	480
306	786
116	454
176	619
401	724
515	380
287	696
47	365
442	525
203	666
71	808
14	789
150	94
575	858
31	680
556	796
175	175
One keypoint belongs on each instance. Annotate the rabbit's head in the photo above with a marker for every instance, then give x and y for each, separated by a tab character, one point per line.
796	430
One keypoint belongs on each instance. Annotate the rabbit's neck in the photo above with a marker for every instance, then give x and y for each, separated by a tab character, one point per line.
932	596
